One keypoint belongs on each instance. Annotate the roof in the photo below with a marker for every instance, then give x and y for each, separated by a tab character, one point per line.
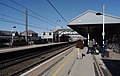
5	32
30	31
90	17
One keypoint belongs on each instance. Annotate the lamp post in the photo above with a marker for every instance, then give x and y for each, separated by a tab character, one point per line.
13	34
103	29
103	33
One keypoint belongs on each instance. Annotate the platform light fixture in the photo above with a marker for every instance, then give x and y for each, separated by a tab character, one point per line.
103	31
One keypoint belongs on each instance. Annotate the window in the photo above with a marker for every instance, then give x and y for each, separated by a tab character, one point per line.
50	33
43	33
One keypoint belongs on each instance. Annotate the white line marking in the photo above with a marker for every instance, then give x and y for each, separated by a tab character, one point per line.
42	64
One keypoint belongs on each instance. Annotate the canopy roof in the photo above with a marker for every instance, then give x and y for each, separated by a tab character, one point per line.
90	17
89	22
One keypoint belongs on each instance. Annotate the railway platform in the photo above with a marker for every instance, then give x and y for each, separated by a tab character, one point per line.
71	66
26	47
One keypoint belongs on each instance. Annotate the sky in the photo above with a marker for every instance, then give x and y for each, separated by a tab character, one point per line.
68	9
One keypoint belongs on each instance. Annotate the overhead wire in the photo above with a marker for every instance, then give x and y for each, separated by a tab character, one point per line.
11	17
10	21
16	18
57	11
33	12
25	13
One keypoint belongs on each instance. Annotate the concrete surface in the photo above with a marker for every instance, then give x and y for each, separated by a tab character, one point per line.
71	66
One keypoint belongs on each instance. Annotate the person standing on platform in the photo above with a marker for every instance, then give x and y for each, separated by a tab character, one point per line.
79	47
94	46
90	47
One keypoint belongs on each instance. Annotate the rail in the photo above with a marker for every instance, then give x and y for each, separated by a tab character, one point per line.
20	65
98	69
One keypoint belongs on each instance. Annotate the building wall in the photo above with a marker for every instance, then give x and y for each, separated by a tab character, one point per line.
29	34
47	35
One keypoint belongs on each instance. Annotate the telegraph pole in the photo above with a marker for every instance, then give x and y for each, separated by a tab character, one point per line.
26	37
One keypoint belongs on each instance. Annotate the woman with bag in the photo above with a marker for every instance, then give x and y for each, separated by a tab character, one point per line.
79	47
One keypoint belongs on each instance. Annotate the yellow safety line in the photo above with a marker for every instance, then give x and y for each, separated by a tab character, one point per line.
60	68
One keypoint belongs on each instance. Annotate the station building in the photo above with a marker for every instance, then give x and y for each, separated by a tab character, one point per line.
90	24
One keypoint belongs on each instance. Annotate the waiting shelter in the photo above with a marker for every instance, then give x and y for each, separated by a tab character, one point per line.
90	24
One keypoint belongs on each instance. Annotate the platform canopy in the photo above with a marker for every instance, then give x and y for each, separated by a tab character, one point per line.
90	22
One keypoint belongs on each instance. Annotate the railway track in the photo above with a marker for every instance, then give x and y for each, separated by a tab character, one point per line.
98	70
17	66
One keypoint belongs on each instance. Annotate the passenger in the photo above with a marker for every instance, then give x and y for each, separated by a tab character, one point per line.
106	44
79	47
90	47
94	47
11	43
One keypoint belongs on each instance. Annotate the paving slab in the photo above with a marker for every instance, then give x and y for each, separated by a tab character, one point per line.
71	66
83	67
